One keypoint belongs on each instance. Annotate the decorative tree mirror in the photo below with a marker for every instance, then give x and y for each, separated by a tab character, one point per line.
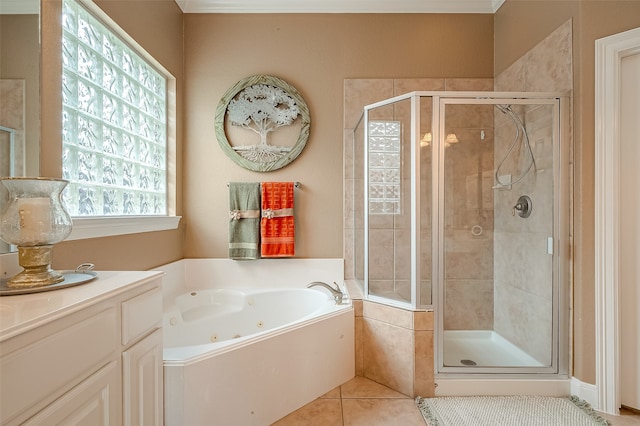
262	123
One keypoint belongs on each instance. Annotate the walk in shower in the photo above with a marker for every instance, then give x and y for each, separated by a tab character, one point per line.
462	206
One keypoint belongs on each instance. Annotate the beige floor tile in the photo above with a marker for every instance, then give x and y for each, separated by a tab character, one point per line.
381	412
333	393
360	387
321	412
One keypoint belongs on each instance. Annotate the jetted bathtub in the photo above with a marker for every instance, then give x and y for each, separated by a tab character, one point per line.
213	321
249	356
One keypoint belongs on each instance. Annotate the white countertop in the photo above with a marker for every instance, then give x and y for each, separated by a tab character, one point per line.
20	313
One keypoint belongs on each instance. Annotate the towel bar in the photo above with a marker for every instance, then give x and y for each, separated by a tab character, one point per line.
295	184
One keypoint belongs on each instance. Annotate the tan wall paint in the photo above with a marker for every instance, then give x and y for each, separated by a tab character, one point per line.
157	26
599	19
314	53
518	26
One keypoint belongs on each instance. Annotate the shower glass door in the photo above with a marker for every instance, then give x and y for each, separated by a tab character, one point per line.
496	199
397	158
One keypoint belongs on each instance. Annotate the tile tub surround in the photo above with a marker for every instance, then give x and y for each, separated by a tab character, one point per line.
394	346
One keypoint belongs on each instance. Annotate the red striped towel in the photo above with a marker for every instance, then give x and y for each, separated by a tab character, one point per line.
277	228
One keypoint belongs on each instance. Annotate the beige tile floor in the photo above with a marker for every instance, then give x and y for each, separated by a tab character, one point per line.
361	401
358	402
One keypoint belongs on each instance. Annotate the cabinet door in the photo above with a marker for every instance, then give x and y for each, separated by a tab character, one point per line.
94	402
40	366
143	387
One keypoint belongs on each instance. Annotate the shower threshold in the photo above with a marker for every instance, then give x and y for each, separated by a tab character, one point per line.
483	348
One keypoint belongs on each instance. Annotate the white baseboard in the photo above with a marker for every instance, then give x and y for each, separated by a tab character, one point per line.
585	391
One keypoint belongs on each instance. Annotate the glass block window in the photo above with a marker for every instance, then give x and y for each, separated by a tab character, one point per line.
384	167
114	122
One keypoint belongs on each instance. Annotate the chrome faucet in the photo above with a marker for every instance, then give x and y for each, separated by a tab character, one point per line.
337	294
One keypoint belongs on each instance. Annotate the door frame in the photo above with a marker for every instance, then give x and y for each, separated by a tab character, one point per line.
609	54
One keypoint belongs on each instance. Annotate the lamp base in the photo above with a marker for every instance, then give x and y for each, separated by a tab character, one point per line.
37	272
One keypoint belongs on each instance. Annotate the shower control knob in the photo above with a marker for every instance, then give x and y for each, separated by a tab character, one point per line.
523	207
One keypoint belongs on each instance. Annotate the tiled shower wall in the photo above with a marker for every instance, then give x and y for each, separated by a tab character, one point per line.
361	92
468	218
522	266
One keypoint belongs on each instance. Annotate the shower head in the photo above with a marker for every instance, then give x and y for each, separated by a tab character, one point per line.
520	130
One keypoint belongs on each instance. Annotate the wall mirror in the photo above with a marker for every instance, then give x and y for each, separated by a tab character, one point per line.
19	92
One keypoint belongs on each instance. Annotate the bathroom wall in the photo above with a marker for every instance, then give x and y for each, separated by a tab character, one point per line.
157	25
315	53
599	19
519	26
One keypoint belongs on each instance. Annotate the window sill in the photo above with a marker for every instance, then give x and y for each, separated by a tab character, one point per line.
94	227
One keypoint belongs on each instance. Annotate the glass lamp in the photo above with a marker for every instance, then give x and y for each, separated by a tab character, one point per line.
34	220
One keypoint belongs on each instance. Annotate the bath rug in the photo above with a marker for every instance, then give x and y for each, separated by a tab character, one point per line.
518	410
244	220
277	226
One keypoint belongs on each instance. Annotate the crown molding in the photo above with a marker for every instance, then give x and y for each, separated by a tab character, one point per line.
340	6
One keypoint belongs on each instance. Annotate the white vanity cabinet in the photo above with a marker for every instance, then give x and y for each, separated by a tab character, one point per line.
142	359
84	355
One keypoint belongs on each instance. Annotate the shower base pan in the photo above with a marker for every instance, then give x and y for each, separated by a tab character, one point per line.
483	348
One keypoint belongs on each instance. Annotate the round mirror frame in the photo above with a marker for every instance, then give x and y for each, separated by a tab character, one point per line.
221	113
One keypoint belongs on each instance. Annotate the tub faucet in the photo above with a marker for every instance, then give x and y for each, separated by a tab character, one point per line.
337	294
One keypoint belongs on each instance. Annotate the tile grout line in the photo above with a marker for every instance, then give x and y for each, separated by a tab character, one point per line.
341	407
